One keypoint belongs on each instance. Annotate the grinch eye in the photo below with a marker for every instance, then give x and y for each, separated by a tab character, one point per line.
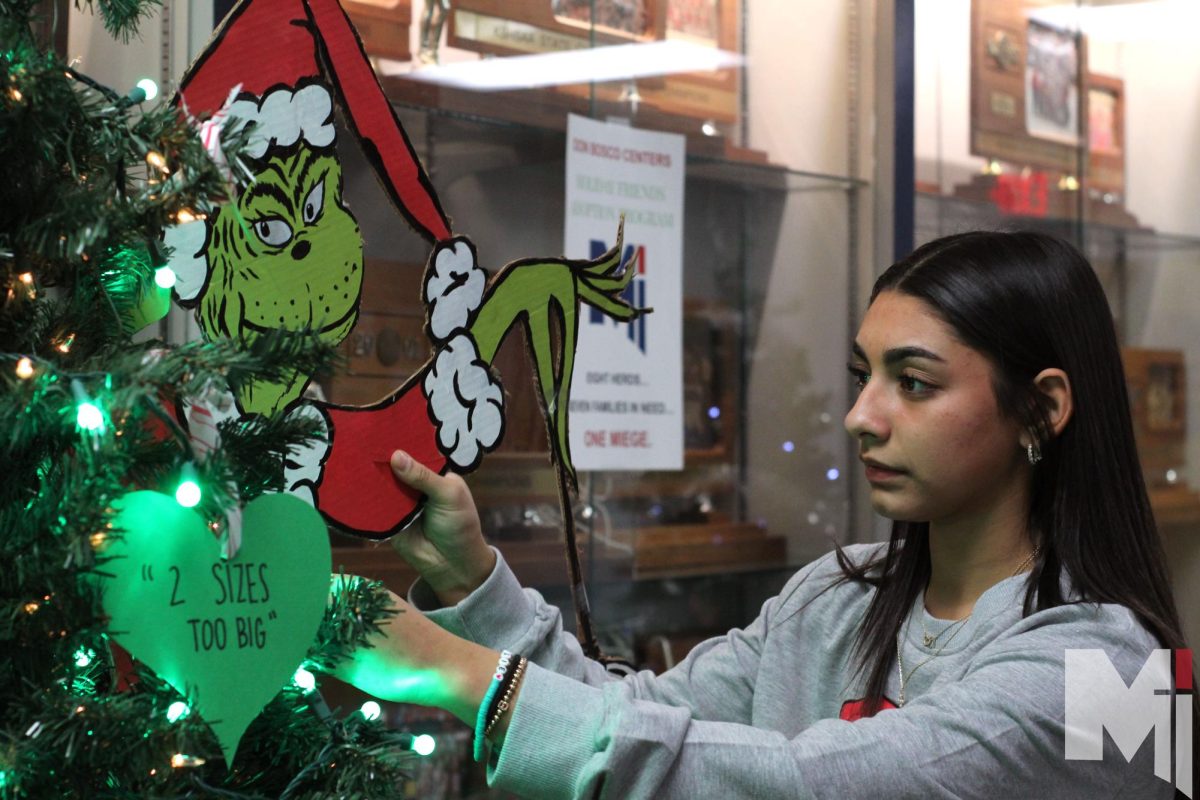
313	203
273	231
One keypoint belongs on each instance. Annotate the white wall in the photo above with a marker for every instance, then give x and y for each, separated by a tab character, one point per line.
1162	128
120	65
800	105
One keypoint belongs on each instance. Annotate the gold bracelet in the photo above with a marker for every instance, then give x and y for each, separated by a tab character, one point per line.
505	701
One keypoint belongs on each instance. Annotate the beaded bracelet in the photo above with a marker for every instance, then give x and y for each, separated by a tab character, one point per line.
501	689
481	717
505	701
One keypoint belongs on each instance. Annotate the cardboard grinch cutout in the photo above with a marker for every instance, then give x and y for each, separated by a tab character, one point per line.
287	253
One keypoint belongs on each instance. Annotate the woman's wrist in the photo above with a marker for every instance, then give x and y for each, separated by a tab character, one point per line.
452	588
468	671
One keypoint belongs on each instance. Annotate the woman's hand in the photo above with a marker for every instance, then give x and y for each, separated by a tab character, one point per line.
445	544
412	660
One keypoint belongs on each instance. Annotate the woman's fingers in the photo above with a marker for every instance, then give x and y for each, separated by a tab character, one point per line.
414	473
447	491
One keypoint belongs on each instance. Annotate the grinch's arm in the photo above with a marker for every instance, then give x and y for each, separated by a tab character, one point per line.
355	489
545	295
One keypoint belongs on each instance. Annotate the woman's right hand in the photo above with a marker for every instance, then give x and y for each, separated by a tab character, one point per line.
445	544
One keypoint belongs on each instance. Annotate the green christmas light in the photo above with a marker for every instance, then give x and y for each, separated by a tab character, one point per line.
304	679
149	87
140	293
187	494
88	415
424	744
84	656
371	710
177	711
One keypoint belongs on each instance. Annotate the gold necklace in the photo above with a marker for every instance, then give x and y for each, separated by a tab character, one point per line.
913	671
928	641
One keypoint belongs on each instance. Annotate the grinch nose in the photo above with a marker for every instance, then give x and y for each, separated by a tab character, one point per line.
301	250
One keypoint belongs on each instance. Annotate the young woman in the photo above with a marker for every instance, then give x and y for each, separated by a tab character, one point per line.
994	428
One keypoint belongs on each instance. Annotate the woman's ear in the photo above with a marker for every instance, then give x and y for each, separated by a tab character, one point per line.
1055	387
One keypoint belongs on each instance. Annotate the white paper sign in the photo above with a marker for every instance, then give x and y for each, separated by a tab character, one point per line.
627	392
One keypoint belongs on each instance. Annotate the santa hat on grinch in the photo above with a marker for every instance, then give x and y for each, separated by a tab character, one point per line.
284	64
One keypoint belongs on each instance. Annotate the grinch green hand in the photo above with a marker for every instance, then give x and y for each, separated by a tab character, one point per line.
545	295
450	413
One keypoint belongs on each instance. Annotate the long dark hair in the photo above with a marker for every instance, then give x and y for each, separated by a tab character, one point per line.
1027	302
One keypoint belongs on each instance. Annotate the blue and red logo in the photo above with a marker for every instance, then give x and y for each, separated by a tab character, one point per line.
634	294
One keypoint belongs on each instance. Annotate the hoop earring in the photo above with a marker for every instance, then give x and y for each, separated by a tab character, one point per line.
1033	453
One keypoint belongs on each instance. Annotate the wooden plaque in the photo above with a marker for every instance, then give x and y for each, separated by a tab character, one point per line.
1158	399
383	26
523	27
388	343
1026	106
710	409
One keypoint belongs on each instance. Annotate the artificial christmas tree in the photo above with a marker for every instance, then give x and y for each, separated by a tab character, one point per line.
100	470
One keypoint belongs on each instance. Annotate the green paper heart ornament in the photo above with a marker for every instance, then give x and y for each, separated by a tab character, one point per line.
227	634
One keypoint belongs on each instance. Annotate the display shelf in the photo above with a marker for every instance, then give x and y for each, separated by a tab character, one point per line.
537	123
537	564
939	215
660	552
671	551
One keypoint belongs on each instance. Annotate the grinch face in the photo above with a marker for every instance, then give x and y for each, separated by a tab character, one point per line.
289	256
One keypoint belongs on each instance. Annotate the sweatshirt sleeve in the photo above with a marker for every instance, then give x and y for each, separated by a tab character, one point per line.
998	732
714	682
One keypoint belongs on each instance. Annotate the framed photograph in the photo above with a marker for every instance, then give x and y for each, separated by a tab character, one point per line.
619	17
1026	103
1106	134
382	25
697	21
1051	84
706	96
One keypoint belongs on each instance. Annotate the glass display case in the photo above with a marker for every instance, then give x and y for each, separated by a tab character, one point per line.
1055	117
768	298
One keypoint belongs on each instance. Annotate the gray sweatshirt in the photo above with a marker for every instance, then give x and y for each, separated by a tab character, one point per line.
769	711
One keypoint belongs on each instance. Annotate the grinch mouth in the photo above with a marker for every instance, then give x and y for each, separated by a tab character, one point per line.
246	324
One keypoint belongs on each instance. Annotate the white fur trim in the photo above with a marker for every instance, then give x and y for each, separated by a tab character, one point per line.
282	117
453	288
464	400
188	261
303	464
